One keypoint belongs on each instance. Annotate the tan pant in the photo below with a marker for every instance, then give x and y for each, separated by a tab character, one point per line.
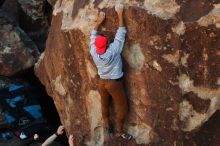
114	89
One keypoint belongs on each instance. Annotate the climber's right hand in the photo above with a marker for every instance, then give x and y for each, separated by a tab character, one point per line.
119	8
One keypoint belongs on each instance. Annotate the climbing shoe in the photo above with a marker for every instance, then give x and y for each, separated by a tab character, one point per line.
124	136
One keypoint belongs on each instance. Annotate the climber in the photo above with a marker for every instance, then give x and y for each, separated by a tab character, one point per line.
107	57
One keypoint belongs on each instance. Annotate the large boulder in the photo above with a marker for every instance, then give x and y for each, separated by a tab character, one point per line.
33	8
33	16
10	7
17	51
171	64
35	20
24	28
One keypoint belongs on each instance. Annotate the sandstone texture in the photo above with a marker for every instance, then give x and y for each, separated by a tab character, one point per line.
171	64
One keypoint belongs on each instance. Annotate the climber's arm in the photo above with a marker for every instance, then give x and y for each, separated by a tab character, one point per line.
49	140
119	9
53	137
121	32
101	18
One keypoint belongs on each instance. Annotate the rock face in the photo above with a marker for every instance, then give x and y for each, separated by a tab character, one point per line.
33	16
171	65
23	29
35	20
17	51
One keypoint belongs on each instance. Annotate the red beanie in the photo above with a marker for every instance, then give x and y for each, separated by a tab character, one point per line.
100	43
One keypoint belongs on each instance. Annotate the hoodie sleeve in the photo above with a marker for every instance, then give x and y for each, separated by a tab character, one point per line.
93	36
119	40
92	40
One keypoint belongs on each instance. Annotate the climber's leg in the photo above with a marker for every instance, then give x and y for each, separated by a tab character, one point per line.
116	89
105	99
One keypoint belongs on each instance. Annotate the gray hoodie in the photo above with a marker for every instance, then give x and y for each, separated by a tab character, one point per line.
109	64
